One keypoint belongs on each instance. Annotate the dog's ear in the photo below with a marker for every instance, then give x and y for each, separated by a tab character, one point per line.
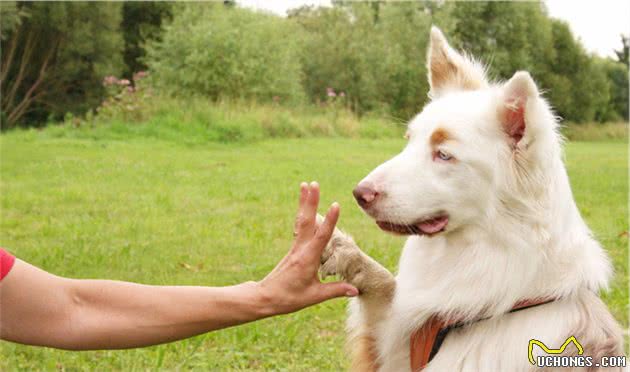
449	70
518	96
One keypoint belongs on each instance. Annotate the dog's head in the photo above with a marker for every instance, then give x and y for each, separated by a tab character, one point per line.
469	150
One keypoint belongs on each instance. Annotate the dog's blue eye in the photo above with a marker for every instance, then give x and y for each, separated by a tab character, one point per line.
444	156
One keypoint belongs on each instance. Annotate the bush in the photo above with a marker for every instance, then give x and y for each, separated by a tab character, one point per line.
226	52
374	53
142	113
596	132
125	100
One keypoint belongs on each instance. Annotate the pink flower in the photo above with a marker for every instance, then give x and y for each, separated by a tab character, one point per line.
342	94
139	75
123	82
110	80
130	89
330	92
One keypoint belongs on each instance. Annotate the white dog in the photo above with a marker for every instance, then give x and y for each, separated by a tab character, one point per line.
497	248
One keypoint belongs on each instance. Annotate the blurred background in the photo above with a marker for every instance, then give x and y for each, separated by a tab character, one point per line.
97	62
163	143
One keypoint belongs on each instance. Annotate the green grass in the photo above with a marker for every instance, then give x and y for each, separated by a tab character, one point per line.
596	131
138	209
197	120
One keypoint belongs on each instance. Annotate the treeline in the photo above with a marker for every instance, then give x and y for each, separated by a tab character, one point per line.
367	57
55	55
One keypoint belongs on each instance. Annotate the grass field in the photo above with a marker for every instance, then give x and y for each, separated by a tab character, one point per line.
163	213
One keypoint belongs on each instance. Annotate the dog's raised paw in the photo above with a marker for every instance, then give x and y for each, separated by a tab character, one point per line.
334	255
338	253
342	257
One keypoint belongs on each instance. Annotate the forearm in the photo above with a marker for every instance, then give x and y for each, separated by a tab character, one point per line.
110	314
38	308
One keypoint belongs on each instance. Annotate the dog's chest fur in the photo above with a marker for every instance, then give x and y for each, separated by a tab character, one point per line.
436	278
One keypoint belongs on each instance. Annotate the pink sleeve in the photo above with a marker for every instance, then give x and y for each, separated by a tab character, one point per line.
6	263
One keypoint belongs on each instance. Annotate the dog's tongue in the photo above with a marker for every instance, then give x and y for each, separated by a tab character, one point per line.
433	226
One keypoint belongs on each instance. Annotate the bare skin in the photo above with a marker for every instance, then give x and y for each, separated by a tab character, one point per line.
38	308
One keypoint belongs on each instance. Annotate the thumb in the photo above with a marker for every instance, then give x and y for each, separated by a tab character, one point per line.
337	289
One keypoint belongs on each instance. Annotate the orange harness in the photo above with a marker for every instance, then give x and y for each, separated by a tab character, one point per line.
426	341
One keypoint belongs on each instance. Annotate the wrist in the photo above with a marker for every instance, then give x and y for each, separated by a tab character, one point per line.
261	299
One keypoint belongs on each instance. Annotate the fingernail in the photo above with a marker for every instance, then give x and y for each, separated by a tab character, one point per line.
314	184
334	205
352	292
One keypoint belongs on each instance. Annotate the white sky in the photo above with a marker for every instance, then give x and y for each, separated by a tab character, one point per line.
597	23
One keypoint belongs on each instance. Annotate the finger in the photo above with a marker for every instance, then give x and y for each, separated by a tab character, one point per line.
326	291
325	230
303	193
306	217
303	196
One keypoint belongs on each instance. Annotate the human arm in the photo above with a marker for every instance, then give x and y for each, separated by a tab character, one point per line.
39	308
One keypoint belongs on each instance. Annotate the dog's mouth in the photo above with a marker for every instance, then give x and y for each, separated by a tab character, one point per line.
429	227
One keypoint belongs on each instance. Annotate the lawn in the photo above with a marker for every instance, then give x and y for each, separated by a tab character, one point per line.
163	213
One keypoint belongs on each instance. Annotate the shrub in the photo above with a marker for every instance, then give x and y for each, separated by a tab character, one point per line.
144	113
125	100
374	53
596	132
226	52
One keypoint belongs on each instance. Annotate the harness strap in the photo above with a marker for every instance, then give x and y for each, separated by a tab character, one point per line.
425	343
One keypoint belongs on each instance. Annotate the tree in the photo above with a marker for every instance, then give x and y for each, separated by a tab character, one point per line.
222	51
506	36
141	22
622	54
53	60
11	16
374	54
617	77
55	55
577	88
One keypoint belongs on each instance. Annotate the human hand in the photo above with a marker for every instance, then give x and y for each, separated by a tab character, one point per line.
294	283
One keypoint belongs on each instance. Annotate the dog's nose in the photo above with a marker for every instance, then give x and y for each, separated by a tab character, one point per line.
365	194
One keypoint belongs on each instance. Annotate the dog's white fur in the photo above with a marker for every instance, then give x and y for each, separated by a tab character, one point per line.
514	233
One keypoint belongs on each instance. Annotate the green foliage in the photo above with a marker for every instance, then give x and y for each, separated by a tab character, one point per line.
617	106
577	88
593	132
125	100
371	52
53	62
227	52
11	16
520	36
143	113
141	22
604	72
506	36
368	57
140	209
622	54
